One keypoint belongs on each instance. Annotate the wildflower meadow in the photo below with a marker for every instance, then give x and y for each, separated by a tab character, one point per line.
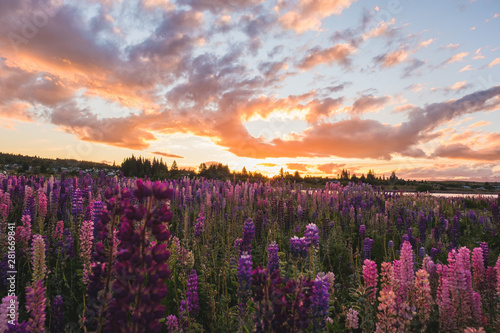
118	254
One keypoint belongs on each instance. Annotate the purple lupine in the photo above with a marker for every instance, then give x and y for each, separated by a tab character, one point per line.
199	227
422	226
362	231
434	253
274	260
367	248
312	235
141	267
455	231
192	293
298	247
320	304
421	252
248	234
495	212
57	322
77	203
244	281
390	244
486	251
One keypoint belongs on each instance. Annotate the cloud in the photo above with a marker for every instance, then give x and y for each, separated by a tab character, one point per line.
458	86
268	165
405	107
426	43
494	62
297	166
166	154
462	151
466	68
480	124
453	46
457	57
369	103
308	14
391	59
329	168
495	16
339	53
473	172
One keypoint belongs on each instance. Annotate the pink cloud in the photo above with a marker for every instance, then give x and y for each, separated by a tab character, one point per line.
166	154
338	53
329	168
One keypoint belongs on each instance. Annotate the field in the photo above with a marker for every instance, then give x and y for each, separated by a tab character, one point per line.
111	254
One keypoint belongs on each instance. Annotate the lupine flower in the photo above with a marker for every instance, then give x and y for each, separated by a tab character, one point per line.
77	203
478	267
57	322
387	311
248	234
405	272
311	235
42	205
367	248
58	231
370	278
35	305
192	293
199	227
320	301
484	247
8	311
474	330
390	244
352	319
422	299
86	242
421	252
434	253
244	280
362	231
171	323
273	262
38	258
386	275
298	247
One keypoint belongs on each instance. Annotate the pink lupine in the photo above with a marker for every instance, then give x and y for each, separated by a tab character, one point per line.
42	205
477	313
86	241
370	278
386	275
35	305
387	312
443	299
474	330
8	311
58	231
422	300
23	233
352	319
405	272
478	268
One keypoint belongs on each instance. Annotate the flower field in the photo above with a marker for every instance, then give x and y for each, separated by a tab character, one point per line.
114	254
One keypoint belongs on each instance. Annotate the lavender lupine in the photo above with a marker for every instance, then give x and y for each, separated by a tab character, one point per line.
352	319
140	267
35	305
273	258
57	321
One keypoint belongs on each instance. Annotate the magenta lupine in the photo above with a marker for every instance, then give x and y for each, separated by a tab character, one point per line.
23	233
58	231
486	251
404	272
35	305
478	268
38	258
443	299
370	278
477	312
352	319
42	206
86	243
9	310
171	323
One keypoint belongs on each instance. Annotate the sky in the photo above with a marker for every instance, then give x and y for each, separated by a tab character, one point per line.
314	86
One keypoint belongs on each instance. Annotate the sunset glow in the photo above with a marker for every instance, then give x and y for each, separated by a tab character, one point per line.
315	86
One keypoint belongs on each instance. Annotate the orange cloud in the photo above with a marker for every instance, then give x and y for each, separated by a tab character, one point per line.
338	53
391	59
166	154
307	14
297	166
457	57
268	165
329	168
494	62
